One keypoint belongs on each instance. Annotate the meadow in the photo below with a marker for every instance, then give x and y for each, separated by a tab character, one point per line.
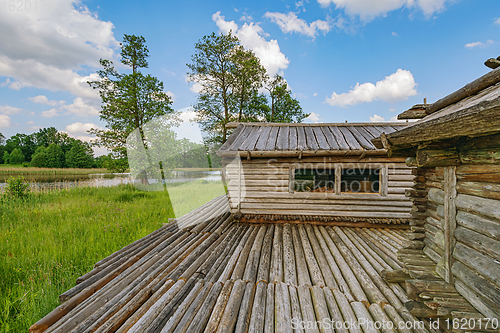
8	169
51	239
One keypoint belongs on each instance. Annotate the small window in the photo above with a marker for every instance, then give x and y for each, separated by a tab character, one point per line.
358	180
314	180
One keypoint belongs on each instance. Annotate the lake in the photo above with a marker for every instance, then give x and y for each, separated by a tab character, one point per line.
51	182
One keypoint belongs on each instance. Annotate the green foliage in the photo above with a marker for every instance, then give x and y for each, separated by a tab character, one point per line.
230	79
16	188
6	157
54	155
23	142
49	241
25	165
213	67
284	108
16	156
118	165
39	159
2	139
129	100
80	156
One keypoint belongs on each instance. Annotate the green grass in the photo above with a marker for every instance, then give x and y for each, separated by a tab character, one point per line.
187	196
7	169
52	239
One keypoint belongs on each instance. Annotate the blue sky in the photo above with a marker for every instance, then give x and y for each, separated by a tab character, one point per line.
355	60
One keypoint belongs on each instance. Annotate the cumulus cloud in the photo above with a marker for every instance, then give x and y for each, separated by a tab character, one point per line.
376	118
79	128
253	37
46	48
497	21
80	107
479	44
395	87
4	121
171	95
290	23
313	117
9	110
5	83
42	99
369	9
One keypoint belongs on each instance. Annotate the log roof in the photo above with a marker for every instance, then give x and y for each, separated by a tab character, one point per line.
219	275
269	139
473	110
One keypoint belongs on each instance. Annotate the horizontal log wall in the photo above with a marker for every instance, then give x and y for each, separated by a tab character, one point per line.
434	223
476	266
476	252
266	189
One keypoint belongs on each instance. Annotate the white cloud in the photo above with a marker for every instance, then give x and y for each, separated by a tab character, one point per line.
42	99
188	128
376	118
252	37
9	110
479	44
5	83
497	21
395	87
289	23
313	117
31	122
369	9
80	107
315	94
79	128
395	34
46	48
4	121
171	95
51	113
392	109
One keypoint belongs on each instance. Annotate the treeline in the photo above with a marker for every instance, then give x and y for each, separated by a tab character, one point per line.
48	148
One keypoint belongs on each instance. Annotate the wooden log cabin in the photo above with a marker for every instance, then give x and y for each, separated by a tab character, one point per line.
307	254
455	148
315	172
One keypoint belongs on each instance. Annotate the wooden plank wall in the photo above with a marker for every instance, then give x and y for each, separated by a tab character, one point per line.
474	244
266	190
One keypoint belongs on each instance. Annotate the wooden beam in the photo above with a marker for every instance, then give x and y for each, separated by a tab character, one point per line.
477	120
416	112
302	153
236	124
437	158
469	89
450	220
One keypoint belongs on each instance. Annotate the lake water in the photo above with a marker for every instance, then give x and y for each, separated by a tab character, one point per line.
51	182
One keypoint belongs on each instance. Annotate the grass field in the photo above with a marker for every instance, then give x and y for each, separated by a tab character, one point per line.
7	169
49	241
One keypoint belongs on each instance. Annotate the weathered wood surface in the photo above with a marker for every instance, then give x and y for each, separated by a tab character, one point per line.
236	277
262	139
471	116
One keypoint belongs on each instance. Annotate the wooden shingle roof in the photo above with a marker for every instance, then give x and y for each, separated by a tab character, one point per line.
258	138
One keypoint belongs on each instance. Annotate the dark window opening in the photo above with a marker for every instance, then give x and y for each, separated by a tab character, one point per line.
314	180
360	180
